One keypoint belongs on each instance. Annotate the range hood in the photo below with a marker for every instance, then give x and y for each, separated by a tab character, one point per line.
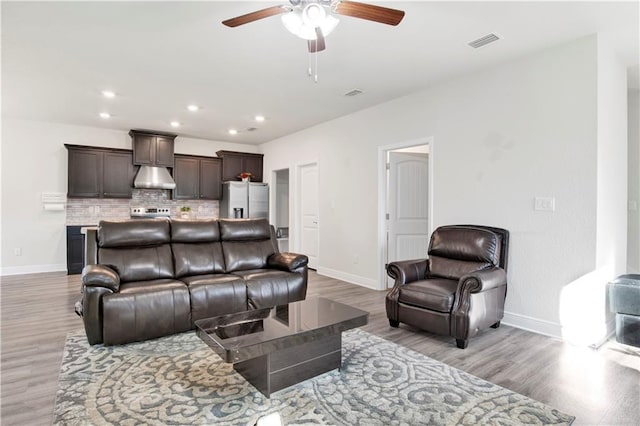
153	178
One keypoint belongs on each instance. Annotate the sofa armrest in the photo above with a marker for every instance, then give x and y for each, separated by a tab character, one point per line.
287	261
407	271
483	280
100	276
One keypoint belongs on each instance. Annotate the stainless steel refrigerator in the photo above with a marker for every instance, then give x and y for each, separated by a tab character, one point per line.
244	200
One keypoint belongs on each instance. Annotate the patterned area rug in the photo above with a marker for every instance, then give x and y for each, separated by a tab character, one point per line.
178	380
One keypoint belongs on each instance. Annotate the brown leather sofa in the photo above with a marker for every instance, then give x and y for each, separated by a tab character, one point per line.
459	290
155	277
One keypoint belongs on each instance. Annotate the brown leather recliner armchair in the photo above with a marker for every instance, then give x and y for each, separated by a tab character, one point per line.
459	290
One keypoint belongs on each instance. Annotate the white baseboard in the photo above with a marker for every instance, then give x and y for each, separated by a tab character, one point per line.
535	325
350	278
32	269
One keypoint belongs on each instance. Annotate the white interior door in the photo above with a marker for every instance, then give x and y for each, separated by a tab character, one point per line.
408	207
309	235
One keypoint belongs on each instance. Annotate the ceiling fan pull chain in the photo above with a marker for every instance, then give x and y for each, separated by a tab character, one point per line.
315	77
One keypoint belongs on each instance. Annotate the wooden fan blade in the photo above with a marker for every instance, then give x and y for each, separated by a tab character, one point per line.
254	16
318	44
370	12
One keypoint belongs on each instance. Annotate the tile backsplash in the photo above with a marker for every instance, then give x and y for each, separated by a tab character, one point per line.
88	211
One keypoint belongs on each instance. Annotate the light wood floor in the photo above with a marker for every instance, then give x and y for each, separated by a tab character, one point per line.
598	386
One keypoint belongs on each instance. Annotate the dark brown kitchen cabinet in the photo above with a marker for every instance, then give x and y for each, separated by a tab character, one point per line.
84	173
99	172
197	178
152	149
75	250
117	175
210	178
234	163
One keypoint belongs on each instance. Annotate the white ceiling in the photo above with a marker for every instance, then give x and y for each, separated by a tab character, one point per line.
161	56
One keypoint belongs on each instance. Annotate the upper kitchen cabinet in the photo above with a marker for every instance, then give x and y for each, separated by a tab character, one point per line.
197	178
84	172
99	172
210	178
234	163
152	148
118	172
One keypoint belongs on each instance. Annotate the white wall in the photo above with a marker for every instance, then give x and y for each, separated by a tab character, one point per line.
633	225
584	312
612	162
501	137
34	160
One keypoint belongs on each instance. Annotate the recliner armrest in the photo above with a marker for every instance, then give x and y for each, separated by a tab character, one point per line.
100	276
483	280
287	261
407	271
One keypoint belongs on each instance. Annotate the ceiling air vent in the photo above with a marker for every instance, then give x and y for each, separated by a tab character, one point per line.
483	41
354	92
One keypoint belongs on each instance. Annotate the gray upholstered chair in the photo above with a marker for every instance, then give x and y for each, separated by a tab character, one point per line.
459	290
624	301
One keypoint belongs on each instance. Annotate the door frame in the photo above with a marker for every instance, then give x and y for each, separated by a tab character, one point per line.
273	205
382	199
297	221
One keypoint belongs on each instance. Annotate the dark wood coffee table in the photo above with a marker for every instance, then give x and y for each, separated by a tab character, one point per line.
274	348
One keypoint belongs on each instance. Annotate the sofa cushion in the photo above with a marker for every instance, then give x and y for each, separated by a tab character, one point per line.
216	294
436	294
453	269
268	287
146	310
246	243
197	258
133	233
457	251
194	231
246	255
244	229
139	263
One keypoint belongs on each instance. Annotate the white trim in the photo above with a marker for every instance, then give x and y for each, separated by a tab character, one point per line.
382	197
350	278
606	337
535	325
32	269
273	214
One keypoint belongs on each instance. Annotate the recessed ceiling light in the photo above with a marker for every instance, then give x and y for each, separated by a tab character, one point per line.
233	132
175	124
259	118
108	94
105	115
193	108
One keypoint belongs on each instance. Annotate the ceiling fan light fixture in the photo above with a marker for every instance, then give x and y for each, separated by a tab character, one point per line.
313	14
303	24
329	24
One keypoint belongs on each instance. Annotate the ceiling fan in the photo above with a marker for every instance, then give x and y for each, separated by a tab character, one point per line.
313	20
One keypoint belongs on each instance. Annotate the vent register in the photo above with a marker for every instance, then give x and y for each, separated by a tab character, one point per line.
483	41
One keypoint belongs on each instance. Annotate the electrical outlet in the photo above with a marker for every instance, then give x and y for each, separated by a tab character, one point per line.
546	204
633	205
17	251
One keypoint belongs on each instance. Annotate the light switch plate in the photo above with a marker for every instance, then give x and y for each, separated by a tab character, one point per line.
633	205
545	204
